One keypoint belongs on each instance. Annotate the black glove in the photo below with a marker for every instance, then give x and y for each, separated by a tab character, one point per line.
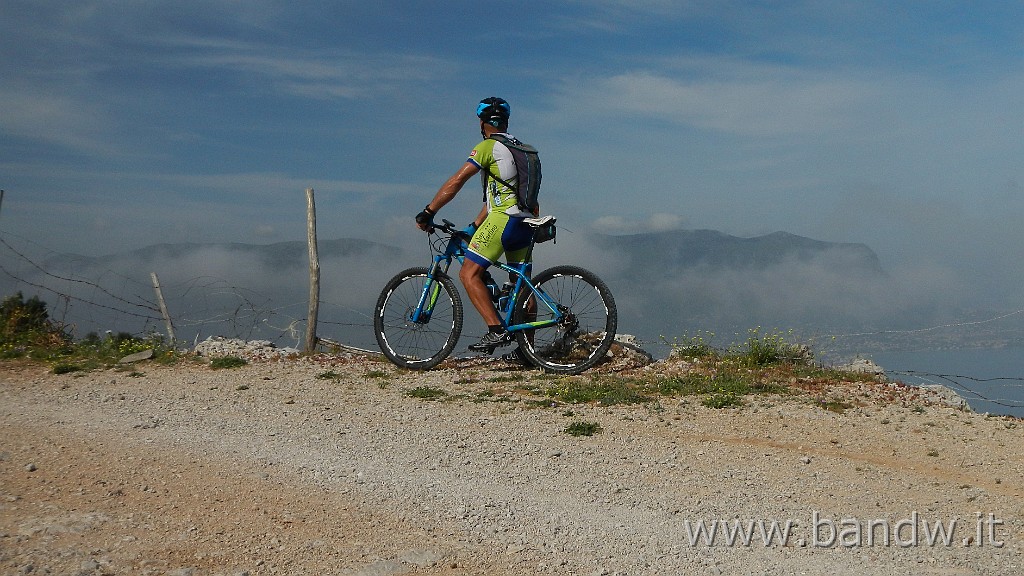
425	218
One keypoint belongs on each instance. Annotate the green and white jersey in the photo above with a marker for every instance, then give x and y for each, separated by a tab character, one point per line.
493	157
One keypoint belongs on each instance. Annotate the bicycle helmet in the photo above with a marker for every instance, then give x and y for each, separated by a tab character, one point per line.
494	111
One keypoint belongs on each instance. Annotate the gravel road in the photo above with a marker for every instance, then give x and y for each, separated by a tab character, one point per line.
327	465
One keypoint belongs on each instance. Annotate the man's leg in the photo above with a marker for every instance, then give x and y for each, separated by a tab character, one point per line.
472	279
484	249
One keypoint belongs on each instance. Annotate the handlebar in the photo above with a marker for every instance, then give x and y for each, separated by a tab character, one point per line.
450	239
448	227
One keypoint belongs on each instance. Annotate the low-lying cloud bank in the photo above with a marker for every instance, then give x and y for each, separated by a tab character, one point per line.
666	284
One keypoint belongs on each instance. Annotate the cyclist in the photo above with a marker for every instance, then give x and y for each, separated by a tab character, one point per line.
498	229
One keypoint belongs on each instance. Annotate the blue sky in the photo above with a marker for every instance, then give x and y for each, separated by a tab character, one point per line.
894	124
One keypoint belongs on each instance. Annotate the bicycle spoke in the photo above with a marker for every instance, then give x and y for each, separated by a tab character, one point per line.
585	323
424	343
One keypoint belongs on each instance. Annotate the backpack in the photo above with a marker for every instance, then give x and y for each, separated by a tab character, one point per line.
528	175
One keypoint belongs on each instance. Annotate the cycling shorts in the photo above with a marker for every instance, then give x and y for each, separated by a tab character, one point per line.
500	234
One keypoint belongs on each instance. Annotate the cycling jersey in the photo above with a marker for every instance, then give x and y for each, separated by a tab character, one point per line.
493	157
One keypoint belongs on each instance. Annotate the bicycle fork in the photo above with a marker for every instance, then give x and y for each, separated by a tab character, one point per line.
428	297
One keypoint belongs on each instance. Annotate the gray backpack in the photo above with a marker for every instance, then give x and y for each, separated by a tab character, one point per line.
528	175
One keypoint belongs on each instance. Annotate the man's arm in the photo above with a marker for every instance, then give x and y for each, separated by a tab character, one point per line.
452	186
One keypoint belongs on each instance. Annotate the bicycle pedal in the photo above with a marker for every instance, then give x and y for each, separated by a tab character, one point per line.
488	350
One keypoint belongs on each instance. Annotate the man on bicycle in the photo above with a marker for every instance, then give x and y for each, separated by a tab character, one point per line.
499	228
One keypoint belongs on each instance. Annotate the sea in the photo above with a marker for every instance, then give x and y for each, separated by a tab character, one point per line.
990	379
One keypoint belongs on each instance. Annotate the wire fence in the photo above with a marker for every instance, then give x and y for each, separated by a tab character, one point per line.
96	295
1003	393
1008	393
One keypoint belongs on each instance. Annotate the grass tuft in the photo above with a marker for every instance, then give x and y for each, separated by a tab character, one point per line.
583	428
227	362
695	346
837	406
723	399
606	391
66	368
426	393
770	349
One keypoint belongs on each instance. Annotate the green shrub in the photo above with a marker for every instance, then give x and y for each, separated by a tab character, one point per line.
26	322
9	351
724	380
26	330
682	385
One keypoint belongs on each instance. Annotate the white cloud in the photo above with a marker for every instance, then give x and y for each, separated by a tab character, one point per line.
657	222
270	185
613	225
321	74
55	117
726	96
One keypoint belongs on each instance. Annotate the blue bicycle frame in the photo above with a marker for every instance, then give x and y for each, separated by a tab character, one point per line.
456	250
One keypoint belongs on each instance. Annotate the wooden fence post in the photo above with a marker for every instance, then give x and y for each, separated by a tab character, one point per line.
163	306
314	273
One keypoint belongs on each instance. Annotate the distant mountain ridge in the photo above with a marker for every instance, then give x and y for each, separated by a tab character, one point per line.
647	254
710	249
690	280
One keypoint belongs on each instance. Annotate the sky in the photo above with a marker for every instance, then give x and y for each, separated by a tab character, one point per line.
893	124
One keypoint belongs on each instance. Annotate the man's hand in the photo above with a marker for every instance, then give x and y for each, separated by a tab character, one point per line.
425	219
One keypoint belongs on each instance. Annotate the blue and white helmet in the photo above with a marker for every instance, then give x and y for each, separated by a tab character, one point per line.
494	111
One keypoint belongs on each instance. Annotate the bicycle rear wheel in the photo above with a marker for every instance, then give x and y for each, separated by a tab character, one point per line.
425	343
587	328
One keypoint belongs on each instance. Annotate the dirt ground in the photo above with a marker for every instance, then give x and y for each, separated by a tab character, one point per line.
332	466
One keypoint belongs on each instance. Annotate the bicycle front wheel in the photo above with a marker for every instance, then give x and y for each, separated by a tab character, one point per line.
583	335
412	335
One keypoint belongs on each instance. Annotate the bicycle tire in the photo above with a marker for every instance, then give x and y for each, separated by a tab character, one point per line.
584	336
417	345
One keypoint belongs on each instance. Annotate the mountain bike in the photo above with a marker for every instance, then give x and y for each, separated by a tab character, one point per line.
563	319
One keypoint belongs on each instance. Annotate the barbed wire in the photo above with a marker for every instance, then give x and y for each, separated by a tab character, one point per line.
146	305
954	381
200	305
932	328
69	297
198	296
